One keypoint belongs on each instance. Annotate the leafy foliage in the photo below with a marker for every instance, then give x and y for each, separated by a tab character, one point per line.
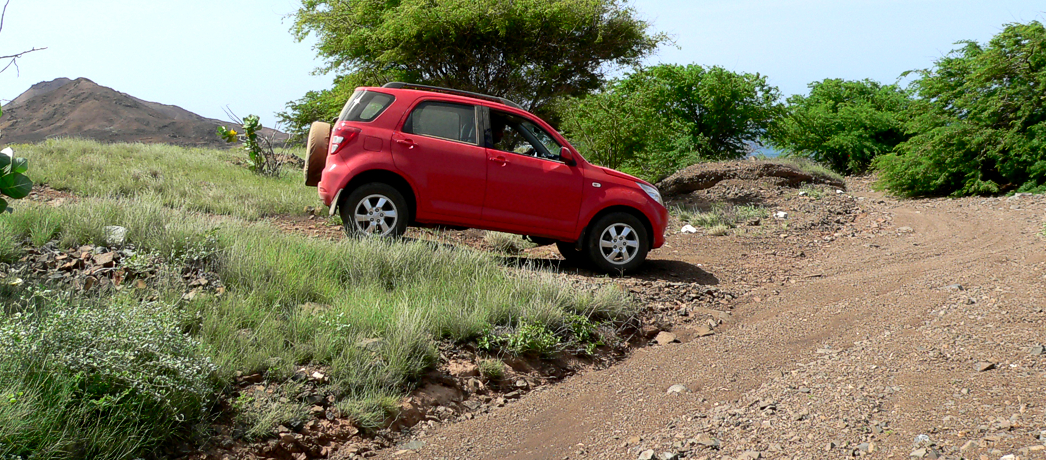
980	122
260	155
325	105
843	124
13	181
660	119
529	51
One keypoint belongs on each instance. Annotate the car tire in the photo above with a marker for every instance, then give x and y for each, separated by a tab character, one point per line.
375	210
316	149
572	254
617	243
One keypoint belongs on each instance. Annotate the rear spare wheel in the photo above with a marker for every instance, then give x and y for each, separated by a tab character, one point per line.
316	149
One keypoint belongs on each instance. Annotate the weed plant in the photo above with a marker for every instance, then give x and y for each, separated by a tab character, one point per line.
204	180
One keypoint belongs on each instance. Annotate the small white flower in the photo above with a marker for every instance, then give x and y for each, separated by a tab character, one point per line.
8	152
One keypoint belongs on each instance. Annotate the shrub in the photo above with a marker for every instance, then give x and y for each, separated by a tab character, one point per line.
660	119
843	124
980	122
84	380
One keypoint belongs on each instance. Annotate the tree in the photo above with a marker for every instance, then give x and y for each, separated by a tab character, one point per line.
530	51
979	123
657	120
843	124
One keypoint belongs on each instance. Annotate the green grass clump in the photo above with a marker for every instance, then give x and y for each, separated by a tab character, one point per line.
720	218
259	412
204	180
813	192
806	165
506	243
492	369
100	380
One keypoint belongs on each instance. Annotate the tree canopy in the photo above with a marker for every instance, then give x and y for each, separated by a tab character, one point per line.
657	120
530	51
843	124
979	123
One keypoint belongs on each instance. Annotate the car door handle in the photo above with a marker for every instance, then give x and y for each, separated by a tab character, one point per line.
500	160
405	142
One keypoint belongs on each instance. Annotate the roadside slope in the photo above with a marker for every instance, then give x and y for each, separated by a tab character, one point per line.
869	342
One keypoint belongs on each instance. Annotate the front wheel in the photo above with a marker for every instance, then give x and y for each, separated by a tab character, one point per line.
617	242
375	209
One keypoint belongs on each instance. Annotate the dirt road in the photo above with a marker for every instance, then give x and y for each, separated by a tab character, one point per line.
853	347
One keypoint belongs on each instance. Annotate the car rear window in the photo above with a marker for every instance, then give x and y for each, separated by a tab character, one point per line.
365	106
443	120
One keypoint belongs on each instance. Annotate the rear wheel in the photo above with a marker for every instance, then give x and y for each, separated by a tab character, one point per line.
375	209
617	242
316	149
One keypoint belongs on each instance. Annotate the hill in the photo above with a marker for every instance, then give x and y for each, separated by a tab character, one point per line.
83	108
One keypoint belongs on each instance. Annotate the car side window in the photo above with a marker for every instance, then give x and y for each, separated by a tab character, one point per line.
515	134
444	120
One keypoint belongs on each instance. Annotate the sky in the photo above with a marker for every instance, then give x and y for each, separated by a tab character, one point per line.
207	55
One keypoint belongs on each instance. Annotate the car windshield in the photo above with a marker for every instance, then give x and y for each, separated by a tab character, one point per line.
365	106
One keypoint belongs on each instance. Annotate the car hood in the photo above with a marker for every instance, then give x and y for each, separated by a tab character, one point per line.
620	175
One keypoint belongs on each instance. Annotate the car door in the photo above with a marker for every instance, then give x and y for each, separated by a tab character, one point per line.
437	148
528	186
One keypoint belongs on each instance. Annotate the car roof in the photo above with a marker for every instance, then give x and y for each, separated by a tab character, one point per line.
453	92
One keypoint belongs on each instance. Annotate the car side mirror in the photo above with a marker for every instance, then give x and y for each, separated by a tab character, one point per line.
567	156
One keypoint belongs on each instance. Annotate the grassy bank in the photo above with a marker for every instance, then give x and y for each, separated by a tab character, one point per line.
368	312
204	180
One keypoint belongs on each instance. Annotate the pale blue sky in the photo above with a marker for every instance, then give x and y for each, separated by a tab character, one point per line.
203	55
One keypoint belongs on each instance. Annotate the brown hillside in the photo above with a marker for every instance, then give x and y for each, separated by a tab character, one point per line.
82	108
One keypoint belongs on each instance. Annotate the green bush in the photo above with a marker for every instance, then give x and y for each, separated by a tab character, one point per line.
843	124
979	124
660	119
95	381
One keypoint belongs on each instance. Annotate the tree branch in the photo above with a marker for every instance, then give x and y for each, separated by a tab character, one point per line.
14	57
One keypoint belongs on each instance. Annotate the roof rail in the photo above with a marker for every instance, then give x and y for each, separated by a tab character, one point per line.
437	89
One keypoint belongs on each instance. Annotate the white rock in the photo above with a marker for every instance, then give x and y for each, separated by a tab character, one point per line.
780	215
115	235
678	389
688	229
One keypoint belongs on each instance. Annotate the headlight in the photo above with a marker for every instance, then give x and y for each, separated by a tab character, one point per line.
652	191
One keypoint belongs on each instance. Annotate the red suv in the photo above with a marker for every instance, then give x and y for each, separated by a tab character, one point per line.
407	154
